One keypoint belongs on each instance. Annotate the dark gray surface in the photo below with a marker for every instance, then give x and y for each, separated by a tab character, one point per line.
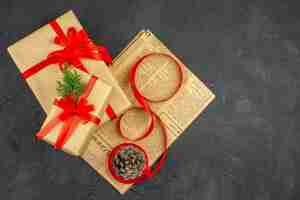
245	145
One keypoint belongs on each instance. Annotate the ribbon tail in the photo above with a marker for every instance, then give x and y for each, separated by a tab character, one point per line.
106	56
77	64
110	112
66	132
47	128
148	172
62	134
57	29
163	157
88	88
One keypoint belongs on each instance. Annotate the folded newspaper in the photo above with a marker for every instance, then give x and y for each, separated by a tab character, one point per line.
177	113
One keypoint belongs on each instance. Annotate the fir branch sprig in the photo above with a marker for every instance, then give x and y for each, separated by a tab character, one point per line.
71	85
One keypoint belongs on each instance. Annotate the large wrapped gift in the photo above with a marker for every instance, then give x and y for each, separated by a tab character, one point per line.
70	122
177	113
41	55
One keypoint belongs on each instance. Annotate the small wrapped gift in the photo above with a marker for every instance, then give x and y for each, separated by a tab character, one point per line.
72	119
41	55
158	79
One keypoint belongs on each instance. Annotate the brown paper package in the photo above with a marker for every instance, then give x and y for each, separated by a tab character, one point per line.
35	47
177	113
82	134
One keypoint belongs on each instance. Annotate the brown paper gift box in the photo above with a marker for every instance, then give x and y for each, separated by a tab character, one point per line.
35	47
177	113
80	137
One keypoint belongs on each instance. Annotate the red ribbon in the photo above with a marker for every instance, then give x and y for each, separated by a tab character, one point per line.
110	112
73	113
144	103
76	45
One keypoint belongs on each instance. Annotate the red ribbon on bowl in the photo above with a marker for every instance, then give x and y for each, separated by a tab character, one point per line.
145	106
73	113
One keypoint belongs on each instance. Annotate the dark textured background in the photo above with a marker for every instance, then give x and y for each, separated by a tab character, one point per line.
244	146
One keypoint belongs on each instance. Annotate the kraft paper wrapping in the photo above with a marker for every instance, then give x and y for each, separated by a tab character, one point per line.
177	113
80	137
35	47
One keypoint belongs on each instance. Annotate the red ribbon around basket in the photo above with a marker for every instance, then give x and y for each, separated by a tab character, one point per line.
145	106
73	113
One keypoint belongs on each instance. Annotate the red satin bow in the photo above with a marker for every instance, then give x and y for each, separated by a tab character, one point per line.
73	113
81	109
77	45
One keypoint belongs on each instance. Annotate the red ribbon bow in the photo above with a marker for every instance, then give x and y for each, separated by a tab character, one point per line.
72	114
71	108
77	45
